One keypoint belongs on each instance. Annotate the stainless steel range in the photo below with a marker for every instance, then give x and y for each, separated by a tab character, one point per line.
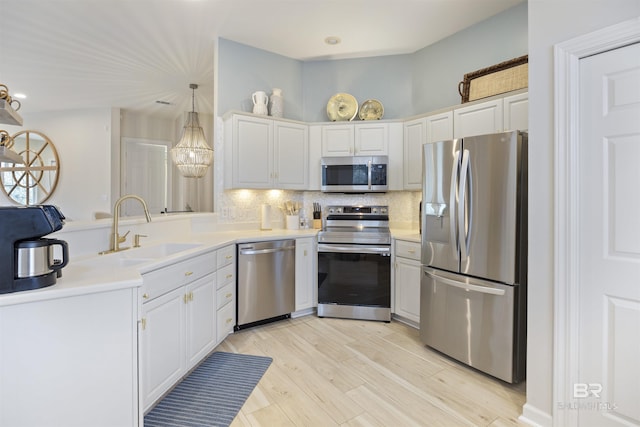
354	263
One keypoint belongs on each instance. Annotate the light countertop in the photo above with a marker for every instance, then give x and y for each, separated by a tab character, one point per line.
103	273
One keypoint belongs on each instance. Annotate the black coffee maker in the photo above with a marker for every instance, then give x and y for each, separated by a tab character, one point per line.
26	258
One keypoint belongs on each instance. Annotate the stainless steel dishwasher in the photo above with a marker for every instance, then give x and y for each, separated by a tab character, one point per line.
266	282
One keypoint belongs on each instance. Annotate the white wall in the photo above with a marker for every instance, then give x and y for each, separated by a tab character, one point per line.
83	141
550	22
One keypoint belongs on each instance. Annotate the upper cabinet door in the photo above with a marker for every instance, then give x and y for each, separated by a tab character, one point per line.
414	137
291	156
371	139
516	112
337	140
478	119
252	152
440	127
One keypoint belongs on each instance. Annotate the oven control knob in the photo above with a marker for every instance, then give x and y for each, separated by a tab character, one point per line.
374	210
338	210
383	211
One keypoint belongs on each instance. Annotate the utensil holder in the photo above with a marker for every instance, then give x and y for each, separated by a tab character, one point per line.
317	224
292	222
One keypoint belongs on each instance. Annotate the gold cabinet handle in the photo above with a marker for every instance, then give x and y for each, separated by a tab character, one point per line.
145	296
190	296
185	298
229	257
188	273
412	251
143	323
229	295
229	276
305	252
229	320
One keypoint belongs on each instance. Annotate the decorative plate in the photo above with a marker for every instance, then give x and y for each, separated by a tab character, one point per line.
371	109
342	107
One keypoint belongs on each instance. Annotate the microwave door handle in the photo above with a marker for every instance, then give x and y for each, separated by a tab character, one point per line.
369	173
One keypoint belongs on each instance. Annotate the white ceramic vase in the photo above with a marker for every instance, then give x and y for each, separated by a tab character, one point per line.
260	101
277	103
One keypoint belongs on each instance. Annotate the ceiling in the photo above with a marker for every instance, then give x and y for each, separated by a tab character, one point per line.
74	54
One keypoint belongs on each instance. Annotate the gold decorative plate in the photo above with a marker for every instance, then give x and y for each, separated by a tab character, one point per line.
371	109
342	107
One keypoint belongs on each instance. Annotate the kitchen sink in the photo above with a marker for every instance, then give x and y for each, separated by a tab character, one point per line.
149	253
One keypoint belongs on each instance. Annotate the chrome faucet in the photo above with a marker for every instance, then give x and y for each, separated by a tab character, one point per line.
115	237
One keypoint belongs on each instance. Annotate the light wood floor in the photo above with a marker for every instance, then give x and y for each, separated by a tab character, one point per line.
336	372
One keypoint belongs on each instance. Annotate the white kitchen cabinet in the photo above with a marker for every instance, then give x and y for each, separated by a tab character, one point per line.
178	326
516	112
200	299
226	293
306	276
260	151
162	345
497	115
290	156
478	119
439	127
355	139
70	361
415	134
407	281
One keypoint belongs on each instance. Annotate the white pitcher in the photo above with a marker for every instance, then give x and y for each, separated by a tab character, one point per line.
260	101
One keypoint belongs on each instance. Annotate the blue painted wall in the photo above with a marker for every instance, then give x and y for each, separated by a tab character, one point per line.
405	84
243	70
438	68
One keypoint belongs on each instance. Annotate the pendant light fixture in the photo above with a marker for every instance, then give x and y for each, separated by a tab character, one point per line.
192	155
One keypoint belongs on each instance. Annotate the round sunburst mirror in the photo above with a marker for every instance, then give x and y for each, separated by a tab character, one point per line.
33	182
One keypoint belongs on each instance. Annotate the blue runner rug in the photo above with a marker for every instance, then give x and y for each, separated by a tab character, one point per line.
212	394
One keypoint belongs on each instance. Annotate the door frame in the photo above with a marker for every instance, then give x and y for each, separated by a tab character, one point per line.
567	57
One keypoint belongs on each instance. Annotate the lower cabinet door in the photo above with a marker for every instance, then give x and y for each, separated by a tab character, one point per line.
163	340
201	318
407	281
226	320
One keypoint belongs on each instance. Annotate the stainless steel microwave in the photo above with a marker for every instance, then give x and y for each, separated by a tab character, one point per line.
354	174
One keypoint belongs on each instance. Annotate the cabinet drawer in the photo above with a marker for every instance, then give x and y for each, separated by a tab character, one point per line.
163	280
409	250
226	255
225	295
226	275
225	321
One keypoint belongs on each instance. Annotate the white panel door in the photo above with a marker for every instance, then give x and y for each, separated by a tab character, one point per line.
608	392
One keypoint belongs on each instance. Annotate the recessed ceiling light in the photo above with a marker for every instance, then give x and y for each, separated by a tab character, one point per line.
332	40
19	95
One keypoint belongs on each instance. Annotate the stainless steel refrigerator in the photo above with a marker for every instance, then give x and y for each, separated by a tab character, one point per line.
474	251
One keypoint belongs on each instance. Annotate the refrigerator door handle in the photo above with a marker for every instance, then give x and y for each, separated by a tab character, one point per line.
369	165
453	205
465	214
465	286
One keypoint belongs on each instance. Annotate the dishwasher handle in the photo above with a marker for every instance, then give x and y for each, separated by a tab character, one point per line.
251	251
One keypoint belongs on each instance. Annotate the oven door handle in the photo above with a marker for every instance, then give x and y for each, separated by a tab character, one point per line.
355	249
